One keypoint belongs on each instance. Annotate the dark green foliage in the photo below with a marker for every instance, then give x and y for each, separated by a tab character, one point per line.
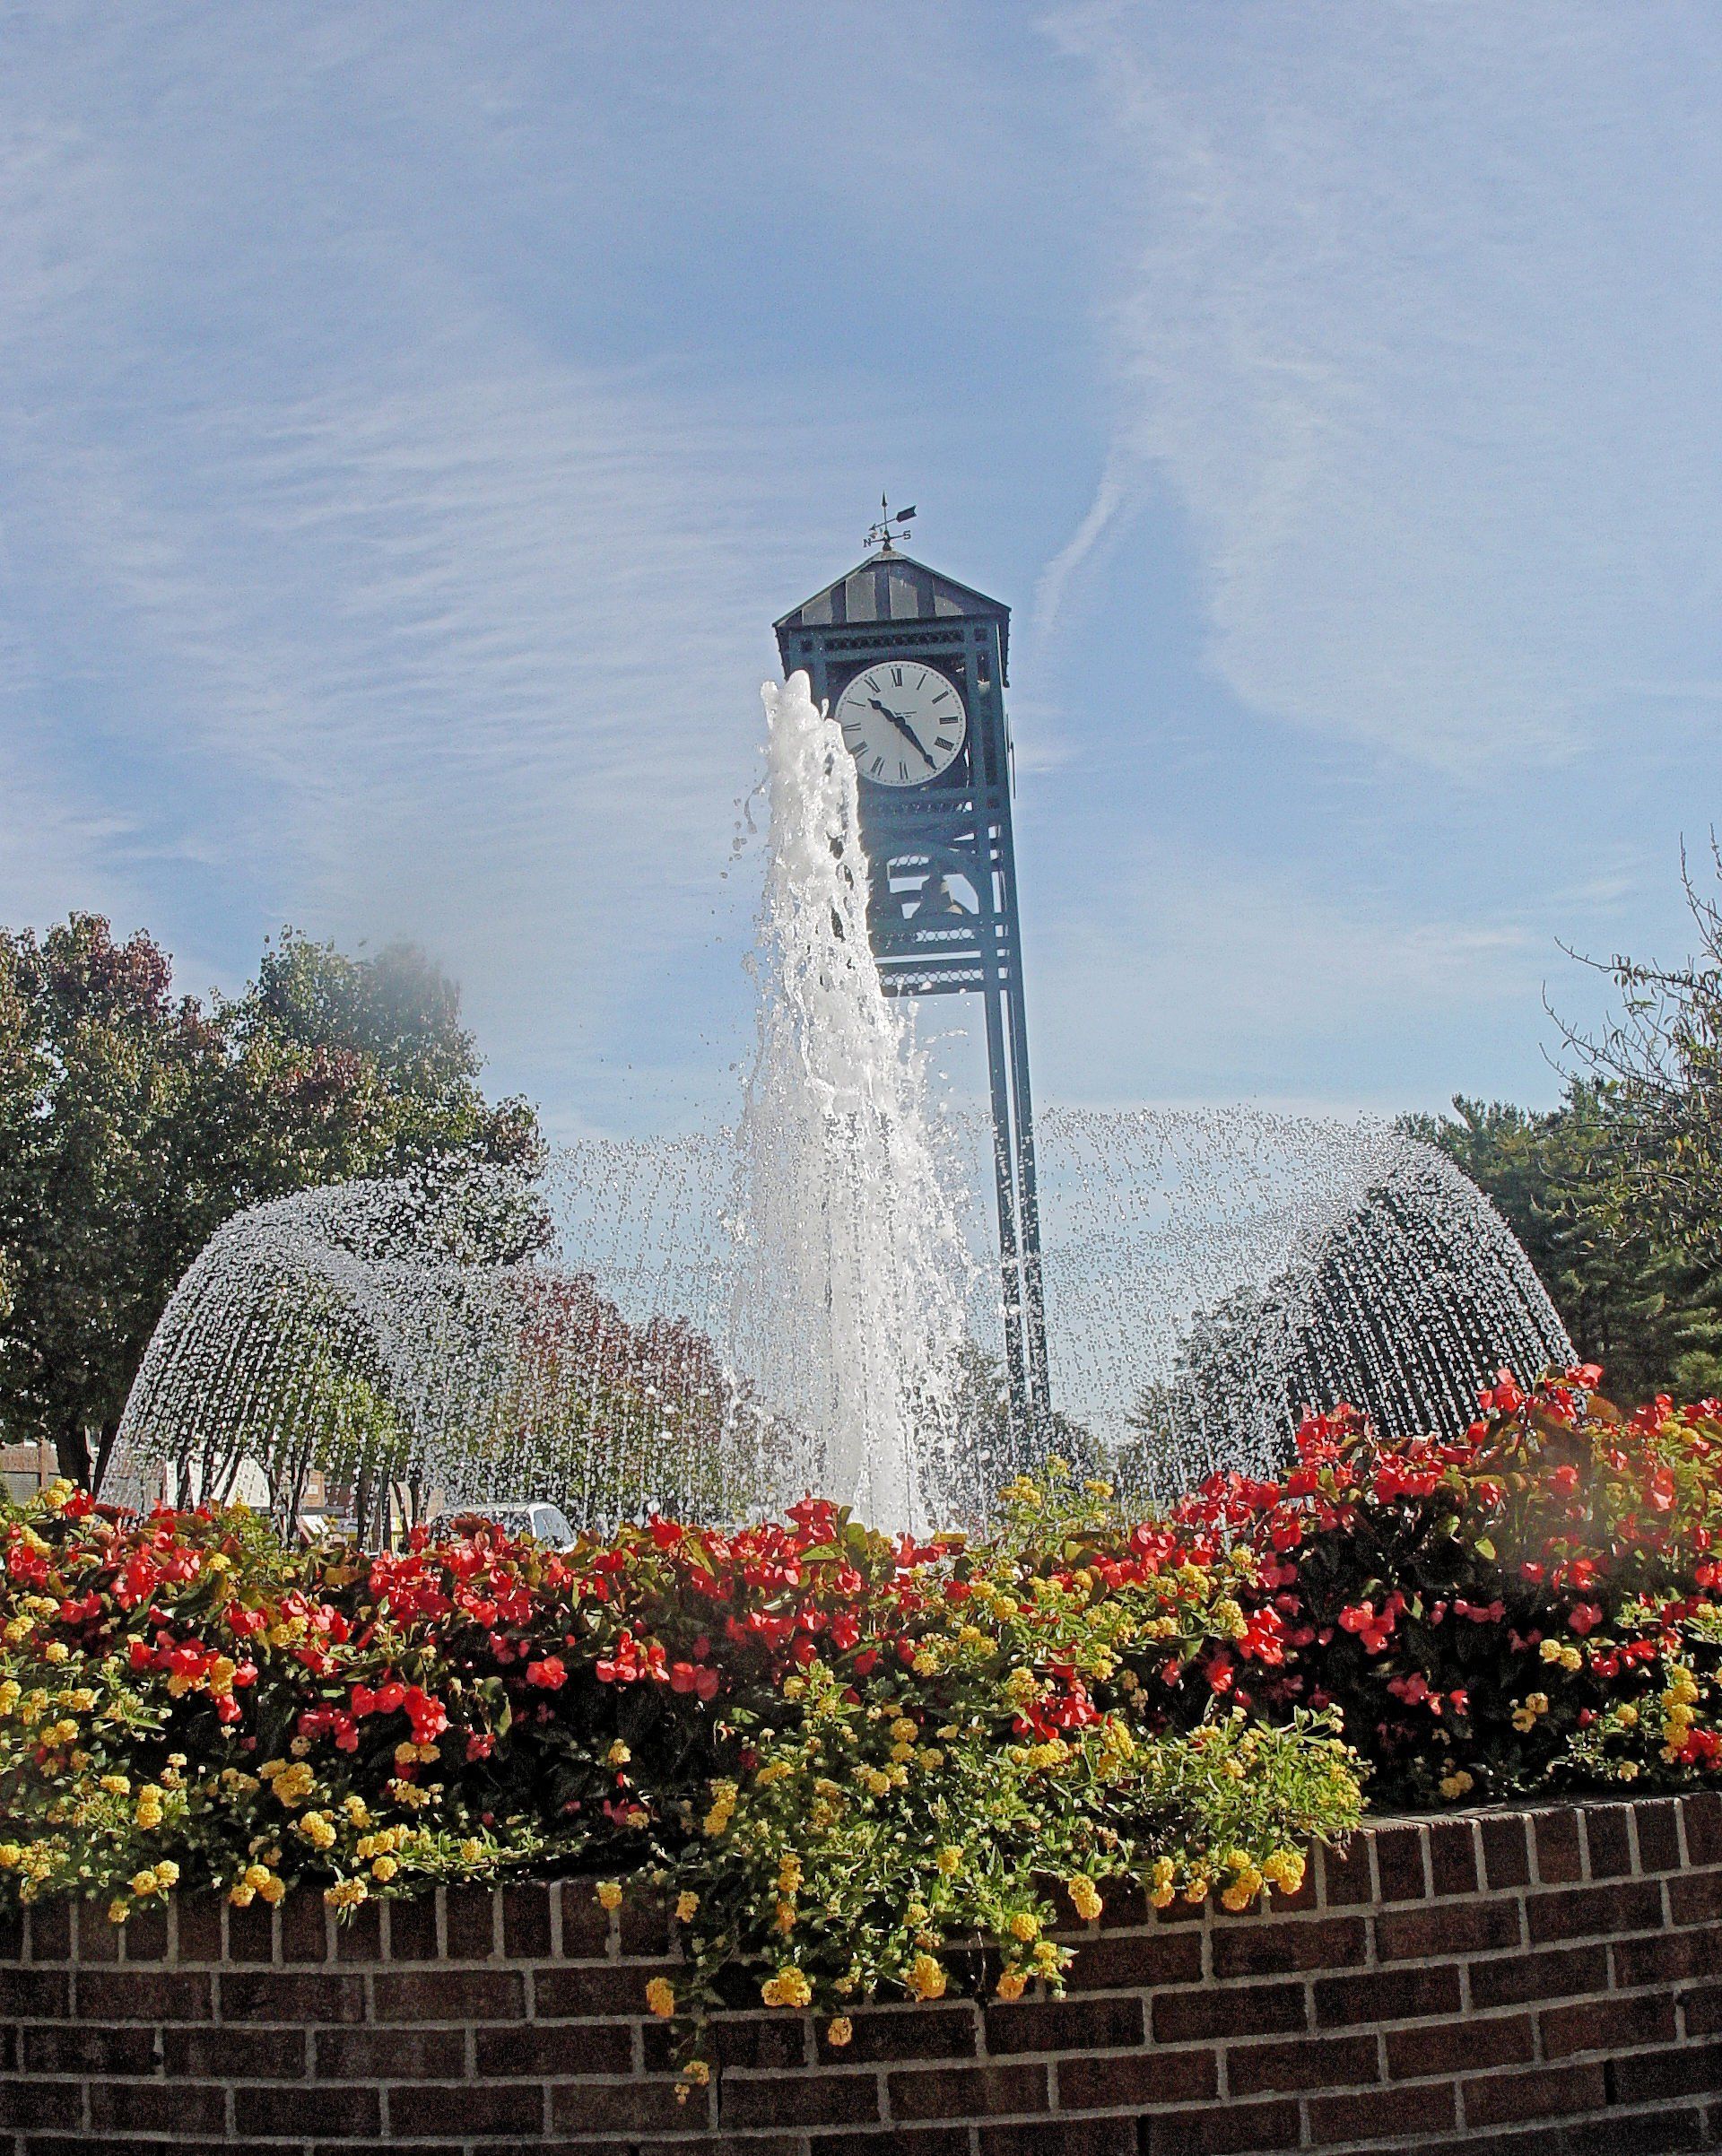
1658	1065
134	1122
1633	1296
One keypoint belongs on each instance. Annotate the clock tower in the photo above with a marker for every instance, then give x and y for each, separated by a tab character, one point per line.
912	665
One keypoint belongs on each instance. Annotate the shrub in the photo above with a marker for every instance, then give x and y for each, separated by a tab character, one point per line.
855	1766
840	1756
1534	1604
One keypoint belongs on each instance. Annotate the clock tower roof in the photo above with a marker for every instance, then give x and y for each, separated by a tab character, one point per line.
888	587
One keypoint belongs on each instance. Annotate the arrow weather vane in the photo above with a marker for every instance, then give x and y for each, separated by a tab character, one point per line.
880	535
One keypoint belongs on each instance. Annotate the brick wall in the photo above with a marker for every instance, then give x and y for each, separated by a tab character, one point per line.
1548	1984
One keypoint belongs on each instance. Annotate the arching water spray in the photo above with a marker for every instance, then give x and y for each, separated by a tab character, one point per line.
712	1324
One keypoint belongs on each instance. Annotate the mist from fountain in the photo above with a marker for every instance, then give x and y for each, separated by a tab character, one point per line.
805	1297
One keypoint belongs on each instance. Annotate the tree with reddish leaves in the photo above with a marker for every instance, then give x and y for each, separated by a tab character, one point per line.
134	1122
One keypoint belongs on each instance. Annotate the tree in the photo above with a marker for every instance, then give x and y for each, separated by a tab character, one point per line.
134	1122
1659	1067
1630	1294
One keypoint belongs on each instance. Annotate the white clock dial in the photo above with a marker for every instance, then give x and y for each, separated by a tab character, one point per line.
904	722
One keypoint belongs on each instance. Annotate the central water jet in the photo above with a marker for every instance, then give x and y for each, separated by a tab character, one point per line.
852	1276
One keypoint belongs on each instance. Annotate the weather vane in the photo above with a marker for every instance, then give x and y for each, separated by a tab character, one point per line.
881	535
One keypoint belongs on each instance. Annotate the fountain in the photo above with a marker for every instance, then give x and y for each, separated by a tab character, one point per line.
715	1324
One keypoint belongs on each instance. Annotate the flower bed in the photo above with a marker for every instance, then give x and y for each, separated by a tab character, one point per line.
857	1769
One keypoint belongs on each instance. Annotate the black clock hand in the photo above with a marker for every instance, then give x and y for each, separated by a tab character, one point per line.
907	731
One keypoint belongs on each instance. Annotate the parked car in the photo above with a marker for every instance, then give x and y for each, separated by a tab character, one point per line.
545	1522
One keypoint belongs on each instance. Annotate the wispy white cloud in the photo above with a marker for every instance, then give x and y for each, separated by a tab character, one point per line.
1414	318
356	587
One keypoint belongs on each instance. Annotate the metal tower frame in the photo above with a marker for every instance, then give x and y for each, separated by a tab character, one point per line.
942	911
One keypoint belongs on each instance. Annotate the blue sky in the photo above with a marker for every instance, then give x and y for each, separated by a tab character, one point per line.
412	417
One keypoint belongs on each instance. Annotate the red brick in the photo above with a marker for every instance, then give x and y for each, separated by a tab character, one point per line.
269	1994
1399	1864
50	1932
172	2107
1695	1898
1453	1856
82	2047
823	2099
1662	1958
1701	2009
585	1989
1549	2092
251	1932
1506	1851
359	1934
1653	2077
526	1923
451	1994
1138	1960
1608	1843
231	2054
1461	2047
1277	1949
548	2051
630	2106
1387	1994
1572	1972
396	2147
1379	2112
1346	1879
1307	1897
1559	1858
35	1994
142	1994
1137	2077
586	1923
976	2091
1098	2137
198	1927
903	2032
40	2104
413	1929
715	2144
1656	1822
1097	2024
469	1923
913	2141
97	1940
1588	1912
12	1934
1239	2010
1125	1908
379	2055
304	1929
296	2113
1611	2025
1220	2130
470	2108
145	1938
1447	1929
1308	2061
1702	1812
774	2041
643	1924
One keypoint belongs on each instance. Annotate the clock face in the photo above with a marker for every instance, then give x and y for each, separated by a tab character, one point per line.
904	722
